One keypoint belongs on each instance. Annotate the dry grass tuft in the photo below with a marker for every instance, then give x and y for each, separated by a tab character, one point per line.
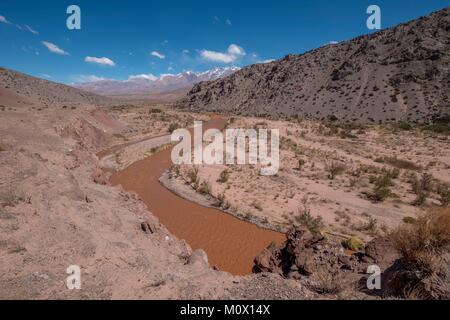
422	242
327	282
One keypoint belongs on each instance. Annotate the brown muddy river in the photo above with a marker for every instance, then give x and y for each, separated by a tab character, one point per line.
231	244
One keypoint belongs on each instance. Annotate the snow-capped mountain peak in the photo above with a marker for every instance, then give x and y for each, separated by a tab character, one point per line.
149	83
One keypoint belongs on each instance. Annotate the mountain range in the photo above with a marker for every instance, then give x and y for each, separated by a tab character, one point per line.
149	84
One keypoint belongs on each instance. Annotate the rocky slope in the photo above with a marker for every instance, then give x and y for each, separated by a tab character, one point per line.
31	90
149	84
398	74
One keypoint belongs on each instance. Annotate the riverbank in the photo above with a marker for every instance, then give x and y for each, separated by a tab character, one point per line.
181	188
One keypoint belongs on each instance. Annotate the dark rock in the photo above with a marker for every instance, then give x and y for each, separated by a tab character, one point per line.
147	227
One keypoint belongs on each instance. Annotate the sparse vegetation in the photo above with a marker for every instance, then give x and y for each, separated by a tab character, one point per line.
173	126
401	164
222	202
204	188
443	191
313	224
10	198
334	169
421	187
441	128
193	175
422	242
381	190
326	282
301	163
409	220
371	226
353	244
224	176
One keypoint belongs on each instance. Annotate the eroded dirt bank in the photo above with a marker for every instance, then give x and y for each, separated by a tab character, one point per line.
231	244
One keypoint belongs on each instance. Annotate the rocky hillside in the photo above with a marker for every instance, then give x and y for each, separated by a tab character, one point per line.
43	92
398	74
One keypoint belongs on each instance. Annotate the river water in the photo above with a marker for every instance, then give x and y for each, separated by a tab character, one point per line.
231	244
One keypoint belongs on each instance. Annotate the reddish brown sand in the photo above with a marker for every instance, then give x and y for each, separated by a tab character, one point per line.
231	244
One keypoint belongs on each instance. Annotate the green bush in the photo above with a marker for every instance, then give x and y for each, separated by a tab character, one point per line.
354	244
314	225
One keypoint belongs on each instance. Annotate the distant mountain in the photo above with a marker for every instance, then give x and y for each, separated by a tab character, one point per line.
149	84
398	74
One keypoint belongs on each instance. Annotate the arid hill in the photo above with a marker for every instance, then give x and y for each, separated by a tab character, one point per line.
395	75
43	92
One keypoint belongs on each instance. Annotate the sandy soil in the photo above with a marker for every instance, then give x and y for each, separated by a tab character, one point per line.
57	211
345	203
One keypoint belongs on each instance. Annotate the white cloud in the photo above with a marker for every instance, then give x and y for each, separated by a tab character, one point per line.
332	42
186	51
149	76
101	61
54	48
233	53
228	22
31	29
4	20
157	54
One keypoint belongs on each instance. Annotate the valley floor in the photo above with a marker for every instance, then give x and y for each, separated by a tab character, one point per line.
58	210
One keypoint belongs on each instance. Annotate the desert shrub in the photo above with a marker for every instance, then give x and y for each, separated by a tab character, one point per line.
370	226
381	190
353	243
204	188
155	110
347	134
173	126
192	175
420	199
304	217
421	187
380	194
425	183
443	191
222	202
409	220
401	164
442	128
301	163
422	242
334	169
327	281
224	176
175	170
10	197
405	126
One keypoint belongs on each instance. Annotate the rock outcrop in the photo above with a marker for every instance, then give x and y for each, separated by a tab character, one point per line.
306	257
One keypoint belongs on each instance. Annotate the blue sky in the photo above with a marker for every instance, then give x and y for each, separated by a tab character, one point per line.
156	37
